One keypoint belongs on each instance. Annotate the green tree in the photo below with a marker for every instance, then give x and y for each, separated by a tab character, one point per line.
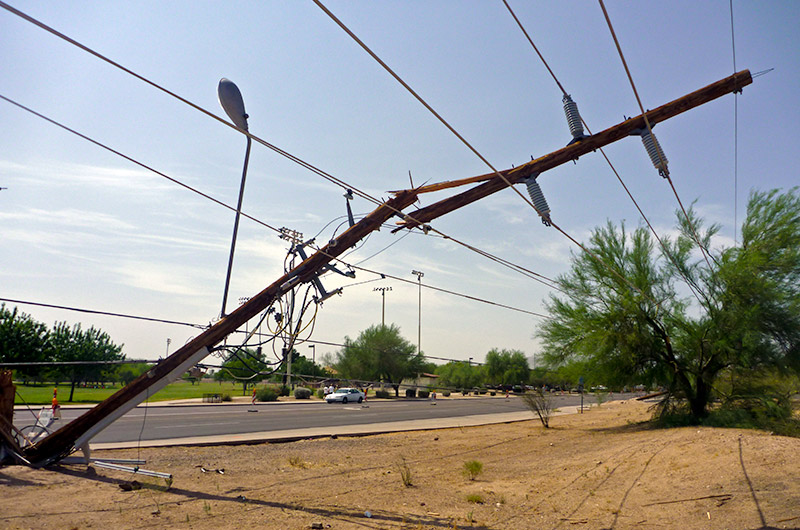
22	339
507	367
622	313
303	366
379	353
73	344
245	366
458	374
128	372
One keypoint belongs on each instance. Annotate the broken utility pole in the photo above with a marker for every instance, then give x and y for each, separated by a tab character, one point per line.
76	434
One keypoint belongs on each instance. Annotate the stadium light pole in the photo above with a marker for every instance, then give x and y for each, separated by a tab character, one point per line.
232	103
419	276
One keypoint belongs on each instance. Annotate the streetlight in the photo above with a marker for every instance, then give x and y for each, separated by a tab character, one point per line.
231	100
383	302
419	276
169	341
313	353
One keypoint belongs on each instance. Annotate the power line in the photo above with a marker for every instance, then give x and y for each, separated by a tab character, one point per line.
133	160
155	85
703	250
463	140
103	313
454	293
291	157
735	140
691	284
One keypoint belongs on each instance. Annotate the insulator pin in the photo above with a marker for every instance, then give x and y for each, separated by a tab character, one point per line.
539	202
573	118
655	153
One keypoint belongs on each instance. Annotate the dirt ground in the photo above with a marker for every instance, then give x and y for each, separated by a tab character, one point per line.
600	469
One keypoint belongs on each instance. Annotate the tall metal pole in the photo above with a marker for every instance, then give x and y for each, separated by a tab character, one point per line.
235	228
419	276
383	302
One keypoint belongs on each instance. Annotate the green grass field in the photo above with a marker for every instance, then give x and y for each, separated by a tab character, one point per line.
43	394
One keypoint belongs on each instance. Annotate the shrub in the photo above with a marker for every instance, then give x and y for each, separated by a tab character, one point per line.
475	498
405	473
424	393
384	394
541	403
266	393
284	390
446	393
411	392
492	393
465	392
302	393
297	461
226	397
472	469
320	393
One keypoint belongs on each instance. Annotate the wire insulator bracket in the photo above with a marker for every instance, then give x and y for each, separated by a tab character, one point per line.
574	120
539	202
654	151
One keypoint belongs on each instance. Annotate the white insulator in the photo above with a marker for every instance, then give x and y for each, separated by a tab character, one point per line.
655	153
539	202
573	117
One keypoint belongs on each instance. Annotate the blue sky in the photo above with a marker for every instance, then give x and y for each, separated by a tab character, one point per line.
85	228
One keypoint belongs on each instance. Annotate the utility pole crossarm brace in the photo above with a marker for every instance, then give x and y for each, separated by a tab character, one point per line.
492	183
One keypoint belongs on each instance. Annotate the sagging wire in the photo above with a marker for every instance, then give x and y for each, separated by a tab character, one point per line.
662	161
573	117
465	142
426	228
300	162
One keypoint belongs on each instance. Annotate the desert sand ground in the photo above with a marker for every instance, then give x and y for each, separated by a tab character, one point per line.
601	469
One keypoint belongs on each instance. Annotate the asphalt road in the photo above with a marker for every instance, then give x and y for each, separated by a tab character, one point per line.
158	422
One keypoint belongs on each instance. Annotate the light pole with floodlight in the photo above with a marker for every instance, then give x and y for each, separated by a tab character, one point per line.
419	276
383	302
231	100
313	353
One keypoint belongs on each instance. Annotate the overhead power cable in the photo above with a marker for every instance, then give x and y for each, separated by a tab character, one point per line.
735	140
103	313
703	250
287	155
454	293
329	177
210	114
693	287
134	161
465	142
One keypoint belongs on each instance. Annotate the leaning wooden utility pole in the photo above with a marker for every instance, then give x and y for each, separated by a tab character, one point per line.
76	434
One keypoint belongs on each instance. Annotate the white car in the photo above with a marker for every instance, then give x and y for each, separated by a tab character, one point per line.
345	395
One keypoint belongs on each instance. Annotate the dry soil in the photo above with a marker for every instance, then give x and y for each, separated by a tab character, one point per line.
601	469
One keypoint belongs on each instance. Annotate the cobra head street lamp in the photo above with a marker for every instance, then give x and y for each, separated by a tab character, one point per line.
232	103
